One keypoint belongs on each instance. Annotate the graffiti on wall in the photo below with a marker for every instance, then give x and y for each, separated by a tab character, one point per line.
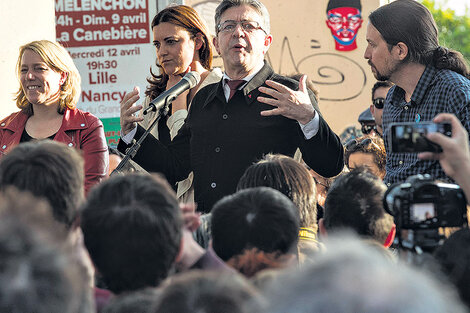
330	71
343	18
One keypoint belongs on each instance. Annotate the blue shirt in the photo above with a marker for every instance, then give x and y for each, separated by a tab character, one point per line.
437	91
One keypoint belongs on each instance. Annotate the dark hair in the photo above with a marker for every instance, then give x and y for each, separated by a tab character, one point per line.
139	301
381	84
38	273
206	291
454	259
260	217
410	22
353	276
288	176
367	144
50	170
333	4
132	227
355	202
187	18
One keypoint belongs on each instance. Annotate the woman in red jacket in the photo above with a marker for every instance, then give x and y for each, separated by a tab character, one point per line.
49	91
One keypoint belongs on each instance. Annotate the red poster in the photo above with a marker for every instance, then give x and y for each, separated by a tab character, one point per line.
83	23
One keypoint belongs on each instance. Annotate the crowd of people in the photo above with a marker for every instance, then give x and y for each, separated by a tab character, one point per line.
241	199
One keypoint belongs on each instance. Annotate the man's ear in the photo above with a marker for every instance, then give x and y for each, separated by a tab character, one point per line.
267	42
322	229
216	44
372	109
400	51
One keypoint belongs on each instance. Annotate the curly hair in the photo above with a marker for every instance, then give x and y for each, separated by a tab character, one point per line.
367	144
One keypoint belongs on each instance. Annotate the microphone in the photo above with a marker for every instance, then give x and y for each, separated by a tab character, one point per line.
189	80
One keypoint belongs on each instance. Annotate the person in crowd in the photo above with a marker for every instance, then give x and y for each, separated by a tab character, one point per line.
199	291
403	47
367	121
250	112
355	202
132	229
453	257
49	170
134	222
255	229
368	151
52	171
183	43
47	97
379	93
139	301
323	185
352	276
292	179
38	269
194	255
455	157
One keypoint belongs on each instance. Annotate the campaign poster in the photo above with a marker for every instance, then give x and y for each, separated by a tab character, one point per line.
110	43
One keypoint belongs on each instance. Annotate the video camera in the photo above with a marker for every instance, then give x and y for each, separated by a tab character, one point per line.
422	206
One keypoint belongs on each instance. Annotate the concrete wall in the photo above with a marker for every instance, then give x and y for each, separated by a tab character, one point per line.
21	21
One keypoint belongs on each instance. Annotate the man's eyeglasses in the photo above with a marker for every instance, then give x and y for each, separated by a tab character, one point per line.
379	103
368	128
247	26
354	145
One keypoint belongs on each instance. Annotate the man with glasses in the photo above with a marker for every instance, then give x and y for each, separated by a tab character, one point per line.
379	93
251	112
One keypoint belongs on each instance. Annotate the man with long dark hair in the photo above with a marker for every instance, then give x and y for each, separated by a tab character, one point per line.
403	47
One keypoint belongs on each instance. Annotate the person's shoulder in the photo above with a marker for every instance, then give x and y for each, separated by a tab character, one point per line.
207	89
449	77
287	81
13	119
13	116
87	116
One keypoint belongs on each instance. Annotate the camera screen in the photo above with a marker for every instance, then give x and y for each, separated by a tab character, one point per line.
422	211
411	137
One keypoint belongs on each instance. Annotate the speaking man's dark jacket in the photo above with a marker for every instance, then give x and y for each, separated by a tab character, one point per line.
219	140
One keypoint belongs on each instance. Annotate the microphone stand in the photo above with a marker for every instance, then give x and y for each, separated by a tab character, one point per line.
132	150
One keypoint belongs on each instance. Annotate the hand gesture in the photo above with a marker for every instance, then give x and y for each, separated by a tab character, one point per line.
190	216
455	157
128	109
292	104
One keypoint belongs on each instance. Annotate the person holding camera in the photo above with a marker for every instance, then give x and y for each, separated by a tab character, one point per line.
455	156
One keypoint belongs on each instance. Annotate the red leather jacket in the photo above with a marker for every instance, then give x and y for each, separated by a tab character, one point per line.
79	129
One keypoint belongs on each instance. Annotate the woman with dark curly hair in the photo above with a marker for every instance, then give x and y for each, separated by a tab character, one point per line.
368	151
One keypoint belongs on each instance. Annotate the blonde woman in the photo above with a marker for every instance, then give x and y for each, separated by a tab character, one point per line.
47	97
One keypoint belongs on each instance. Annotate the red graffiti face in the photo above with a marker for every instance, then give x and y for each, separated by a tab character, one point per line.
344	23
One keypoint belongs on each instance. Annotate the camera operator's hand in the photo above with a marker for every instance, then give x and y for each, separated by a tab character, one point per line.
455	157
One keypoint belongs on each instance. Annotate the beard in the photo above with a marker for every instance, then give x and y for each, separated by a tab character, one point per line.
386	73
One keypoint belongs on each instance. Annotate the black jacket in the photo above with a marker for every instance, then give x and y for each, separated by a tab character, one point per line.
219	140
